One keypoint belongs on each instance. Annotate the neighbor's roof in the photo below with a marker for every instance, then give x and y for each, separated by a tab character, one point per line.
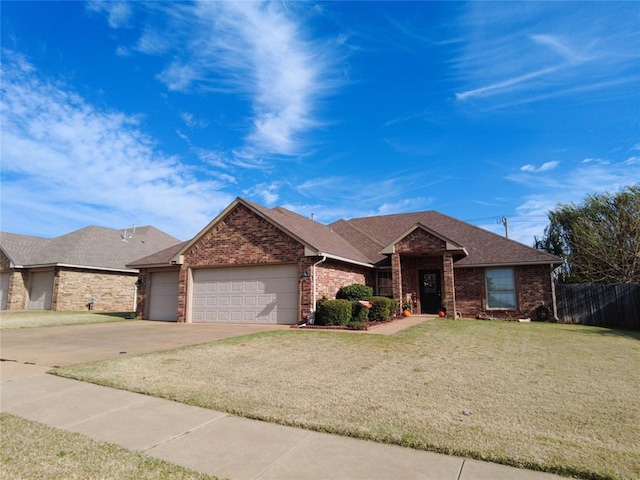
372	234
93	247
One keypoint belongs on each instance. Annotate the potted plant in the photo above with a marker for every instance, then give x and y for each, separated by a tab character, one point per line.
442	311
406	308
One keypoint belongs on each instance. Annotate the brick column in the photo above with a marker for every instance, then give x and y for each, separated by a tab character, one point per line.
396	278
182	294
448	285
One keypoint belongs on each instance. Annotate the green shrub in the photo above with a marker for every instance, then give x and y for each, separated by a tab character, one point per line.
356	325
333	312
359	312
354	292
381	308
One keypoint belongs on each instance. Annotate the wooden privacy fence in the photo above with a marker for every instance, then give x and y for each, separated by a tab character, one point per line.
616	305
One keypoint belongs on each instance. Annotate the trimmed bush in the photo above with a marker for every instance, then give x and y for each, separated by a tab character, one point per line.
333	312
381	308
354	292
359	313
354	325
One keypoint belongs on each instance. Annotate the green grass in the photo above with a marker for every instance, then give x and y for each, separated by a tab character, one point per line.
33	450
48	318
558	398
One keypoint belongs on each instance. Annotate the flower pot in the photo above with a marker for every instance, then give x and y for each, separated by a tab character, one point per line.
406	313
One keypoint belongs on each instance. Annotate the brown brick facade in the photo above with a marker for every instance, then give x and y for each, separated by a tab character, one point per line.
72	289
331	275
242	238
533	286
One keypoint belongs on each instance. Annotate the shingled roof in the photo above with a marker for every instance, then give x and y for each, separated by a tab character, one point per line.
361	240
484	248
92	247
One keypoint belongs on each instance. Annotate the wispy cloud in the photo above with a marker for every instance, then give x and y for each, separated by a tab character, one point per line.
542	168
546	189
541	50
118	13
254	49
65	159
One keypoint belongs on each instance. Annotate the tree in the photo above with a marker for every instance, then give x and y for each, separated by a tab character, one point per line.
599	239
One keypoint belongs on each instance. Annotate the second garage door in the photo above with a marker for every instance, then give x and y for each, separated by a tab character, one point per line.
267	294
163	296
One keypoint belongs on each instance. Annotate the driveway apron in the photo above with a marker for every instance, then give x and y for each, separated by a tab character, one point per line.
72	344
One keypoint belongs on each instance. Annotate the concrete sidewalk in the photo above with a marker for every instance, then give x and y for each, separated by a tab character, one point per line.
220	444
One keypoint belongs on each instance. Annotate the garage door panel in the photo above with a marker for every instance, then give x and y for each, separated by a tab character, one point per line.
4	289
41	291
163	296
265	294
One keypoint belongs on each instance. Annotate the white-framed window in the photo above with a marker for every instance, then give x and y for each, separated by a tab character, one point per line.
385	287
501	289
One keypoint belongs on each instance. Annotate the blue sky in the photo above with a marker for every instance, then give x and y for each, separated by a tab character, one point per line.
161	113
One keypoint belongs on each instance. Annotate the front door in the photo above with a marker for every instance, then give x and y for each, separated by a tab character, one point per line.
430	291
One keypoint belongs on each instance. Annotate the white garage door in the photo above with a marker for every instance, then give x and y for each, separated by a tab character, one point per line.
41	291
4	289
266	294
163	296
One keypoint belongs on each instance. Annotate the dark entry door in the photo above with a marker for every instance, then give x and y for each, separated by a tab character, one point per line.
430	291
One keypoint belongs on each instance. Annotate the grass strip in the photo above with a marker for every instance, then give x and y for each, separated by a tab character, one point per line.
48	318
33	450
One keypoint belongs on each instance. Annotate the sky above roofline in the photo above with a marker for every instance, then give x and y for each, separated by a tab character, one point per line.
161	113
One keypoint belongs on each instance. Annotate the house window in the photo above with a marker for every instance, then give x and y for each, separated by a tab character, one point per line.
385	287
501	289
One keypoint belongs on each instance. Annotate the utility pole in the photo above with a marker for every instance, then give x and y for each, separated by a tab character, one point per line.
505	221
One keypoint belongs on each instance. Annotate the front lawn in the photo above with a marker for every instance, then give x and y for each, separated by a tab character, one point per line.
560	398
33	450
48	318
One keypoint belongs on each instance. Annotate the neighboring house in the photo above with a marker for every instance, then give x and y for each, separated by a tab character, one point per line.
254	264
69	271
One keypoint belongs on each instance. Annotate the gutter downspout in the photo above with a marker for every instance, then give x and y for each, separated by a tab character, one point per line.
553	293
315	293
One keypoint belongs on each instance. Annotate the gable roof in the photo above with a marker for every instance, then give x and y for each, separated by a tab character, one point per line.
318	239
90	247
484	248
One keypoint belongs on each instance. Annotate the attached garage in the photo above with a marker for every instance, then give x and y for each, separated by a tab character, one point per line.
40	291
163	296
4	289
257	294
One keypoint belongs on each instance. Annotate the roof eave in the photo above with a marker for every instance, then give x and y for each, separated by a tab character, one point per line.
450	245
315	253
509	264
85	267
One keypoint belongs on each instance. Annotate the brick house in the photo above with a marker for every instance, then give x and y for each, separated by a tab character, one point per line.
65	272
271	265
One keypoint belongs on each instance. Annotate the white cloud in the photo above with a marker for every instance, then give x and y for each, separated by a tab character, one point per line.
533	51
118	13
256	49
545	167
85	165
545	192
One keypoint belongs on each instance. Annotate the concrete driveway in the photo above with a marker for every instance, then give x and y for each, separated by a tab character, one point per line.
68	345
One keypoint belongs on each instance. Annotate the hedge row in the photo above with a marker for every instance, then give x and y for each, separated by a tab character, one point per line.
352	314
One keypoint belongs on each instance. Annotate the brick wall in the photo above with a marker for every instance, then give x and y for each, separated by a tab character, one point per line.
533	285
332	275
242	238
74	287
420	242
18	281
